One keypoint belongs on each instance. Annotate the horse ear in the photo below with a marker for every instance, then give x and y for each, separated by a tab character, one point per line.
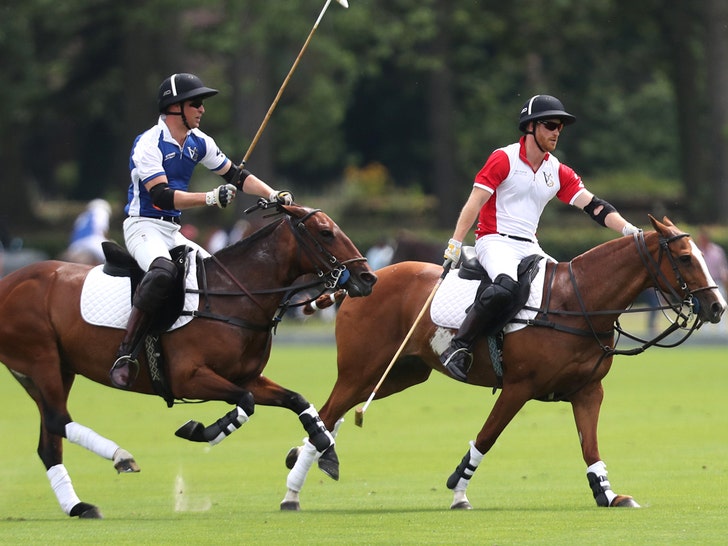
655	223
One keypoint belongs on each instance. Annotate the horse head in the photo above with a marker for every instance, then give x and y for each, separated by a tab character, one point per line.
327	251
684	274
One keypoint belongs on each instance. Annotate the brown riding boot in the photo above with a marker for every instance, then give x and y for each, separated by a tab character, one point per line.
148	301
126	367
485	318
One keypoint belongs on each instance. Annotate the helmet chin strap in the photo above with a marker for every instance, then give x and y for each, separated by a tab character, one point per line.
184	118
533	132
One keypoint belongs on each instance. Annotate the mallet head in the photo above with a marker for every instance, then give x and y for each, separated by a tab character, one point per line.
343	3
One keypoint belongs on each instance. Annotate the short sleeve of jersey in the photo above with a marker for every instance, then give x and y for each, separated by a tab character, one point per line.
495	171
571	184
213	159
146	158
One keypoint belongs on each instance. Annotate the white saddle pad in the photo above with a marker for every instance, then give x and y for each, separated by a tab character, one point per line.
455	295
106	300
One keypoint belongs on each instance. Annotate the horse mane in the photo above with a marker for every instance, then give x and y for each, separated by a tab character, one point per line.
618	241
242	245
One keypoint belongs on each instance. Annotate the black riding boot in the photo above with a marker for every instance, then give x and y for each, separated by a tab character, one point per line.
148	301
485	318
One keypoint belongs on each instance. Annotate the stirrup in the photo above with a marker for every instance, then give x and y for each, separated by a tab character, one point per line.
124	372
458	363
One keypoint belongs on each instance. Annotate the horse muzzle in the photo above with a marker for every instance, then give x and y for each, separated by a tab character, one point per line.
360	284
711	311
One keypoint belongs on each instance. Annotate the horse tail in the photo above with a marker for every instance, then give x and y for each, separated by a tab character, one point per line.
324	301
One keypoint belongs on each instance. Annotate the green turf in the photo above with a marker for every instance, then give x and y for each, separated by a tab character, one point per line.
663	433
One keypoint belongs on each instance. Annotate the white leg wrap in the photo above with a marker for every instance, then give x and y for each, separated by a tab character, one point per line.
306	458
62	487
241	419
337	426
476	457
85	437
599	469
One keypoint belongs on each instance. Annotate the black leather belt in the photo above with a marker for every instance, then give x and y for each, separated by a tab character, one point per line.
170	219
516	238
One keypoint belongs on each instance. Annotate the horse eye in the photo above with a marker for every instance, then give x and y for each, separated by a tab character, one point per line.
685	259
327	234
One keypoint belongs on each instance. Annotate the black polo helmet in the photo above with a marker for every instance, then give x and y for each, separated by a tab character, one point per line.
543	107
181	87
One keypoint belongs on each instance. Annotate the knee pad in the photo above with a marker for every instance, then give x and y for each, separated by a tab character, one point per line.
156	285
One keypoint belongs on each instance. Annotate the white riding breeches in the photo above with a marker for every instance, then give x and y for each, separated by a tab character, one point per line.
501	255
149	238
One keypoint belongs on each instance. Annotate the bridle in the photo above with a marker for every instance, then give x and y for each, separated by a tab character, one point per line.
689	321
330	273
329	269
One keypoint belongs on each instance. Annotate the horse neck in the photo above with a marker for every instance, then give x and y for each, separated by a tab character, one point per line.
612	275
265	260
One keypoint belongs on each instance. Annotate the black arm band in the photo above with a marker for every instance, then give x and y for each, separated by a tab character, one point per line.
162	196
235	175
601	216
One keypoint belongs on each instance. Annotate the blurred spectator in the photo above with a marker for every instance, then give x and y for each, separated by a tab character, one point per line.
190	232
89	230
380	255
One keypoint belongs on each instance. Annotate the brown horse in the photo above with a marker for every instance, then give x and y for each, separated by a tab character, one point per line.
219	355
562	354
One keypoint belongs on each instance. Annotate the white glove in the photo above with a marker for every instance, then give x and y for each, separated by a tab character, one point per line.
452	252
629	229
221	196
284	197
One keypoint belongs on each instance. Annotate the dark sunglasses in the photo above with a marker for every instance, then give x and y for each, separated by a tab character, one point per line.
551	125
196	103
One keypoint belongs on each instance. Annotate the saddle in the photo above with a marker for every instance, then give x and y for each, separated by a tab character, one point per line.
119	263
471	269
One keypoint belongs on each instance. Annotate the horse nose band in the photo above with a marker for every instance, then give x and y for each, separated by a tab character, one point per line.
335	270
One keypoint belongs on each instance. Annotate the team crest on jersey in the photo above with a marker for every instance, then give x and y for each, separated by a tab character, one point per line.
193	152
549	179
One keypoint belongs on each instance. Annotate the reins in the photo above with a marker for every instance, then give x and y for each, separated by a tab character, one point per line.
658	279
330	273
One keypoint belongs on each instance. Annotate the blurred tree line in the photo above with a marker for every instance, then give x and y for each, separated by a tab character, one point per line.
422	89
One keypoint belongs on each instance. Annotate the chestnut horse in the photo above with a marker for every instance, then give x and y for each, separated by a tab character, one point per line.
219	355
562	354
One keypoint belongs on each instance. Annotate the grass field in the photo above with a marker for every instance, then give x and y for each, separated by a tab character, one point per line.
663	432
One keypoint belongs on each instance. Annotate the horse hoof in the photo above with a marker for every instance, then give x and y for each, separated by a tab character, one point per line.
329	463
192	431
84	510
291	506
124	462
624	501
127	465
462	505
292	457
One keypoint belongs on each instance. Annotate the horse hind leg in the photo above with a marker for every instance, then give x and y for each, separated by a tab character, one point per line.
56	424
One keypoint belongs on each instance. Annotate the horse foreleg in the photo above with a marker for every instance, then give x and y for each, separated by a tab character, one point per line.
269	393
586	405
300	459
510	401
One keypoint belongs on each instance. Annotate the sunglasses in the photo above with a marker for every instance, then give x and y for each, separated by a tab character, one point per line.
552	125
196	103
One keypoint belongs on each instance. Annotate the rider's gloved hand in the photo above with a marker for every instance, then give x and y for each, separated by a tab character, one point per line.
452	252
283	197
629	229
221	196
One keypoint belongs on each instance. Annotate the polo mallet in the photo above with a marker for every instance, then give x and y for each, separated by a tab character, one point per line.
359	414
344	3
